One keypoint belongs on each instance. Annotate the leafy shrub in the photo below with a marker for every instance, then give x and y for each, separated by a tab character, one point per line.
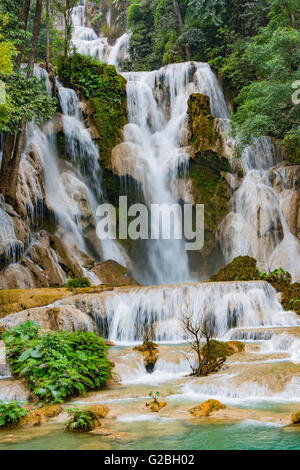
81	420
78	282
11	413
57	365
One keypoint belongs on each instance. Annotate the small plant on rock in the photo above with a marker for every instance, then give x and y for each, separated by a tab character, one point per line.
154	396
81	420
11	413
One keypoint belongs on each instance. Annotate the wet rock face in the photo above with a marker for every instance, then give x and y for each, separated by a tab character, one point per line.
209	182
203	135
61	318
40	416
296	418
112	273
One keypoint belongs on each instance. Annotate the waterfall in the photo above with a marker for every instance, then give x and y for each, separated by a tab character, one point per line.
155	143
87	42
256	226
226	305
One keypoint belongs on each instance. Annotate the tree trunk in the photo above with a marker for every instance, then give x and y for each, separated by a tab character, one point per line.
24	21
180	26
35	35
12	152
47	37
14	144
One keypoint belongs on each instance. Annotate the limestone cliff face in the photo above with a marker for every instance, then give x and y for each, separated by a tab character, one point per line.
209	176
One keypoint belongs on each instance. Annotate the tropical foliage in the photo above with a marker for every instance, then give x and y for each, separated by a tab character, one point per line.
11	413
57	365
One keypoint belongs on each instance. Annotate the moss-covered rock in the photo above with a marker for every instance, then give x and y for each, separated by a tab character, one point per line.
207	170
206	408
40	416
242	268
203	134
220	349
106	91
296	417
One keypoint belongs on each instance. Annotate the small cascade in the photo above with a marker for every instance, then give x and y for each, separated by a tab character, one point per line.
256	226
79	146
86	41
133	371
4	367
227	390
155	145
227	305
284	343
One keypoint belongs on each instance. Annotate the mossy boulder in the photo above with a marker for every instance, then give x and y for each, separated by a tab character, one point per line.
105	90
220	349
296	417
100	411
40	416
208	169
242	268
203	134
155	406
150	354
206	408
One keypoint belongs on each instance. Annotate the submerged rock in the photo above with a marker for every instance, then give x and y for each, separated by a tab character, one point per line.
40	416
66	317
100	411
206	408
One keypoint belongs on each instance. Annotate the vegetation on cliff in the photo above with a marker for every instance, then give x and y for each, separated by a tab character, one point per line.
57	365
208	165
253	45
106	91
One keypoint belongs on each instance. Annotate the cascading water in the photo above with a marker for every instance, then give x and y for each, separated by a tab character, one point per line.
227	305
86	41
155	140
154	143
256	225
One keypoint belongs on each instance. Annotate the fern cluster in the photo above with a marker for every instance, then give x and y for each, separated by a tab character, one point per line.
11	413
57	365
